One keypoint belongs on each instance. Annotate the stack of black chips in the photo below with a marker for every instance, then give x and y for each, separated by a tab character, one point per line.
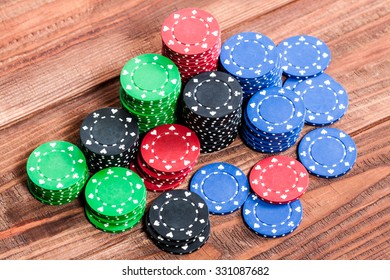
178	222
212	107
109	137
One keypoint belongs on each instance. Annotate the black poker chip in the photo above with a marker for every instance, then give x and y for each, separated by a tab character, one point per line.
187	248
109	137
178	222
212	107
166	242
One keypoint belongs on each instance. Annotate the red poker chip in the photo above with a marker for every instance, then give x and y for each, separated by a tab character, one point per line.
279	179
209	52
156	187
159	177
161	187
192	40
212	61
197	68
196	63
176	59
162	174
190	31
170	148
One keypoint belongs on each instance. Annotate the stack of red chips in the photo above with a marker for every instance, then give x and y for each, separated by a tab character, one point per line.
191	38
167	155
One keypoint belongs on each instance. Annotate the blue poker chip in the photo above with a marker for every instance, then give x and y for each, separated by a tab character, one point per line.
304	56
253	59
254	136
269	136
326	101
223	186
264	148
259	142
276	111
291	83
271	220
327	152
249	55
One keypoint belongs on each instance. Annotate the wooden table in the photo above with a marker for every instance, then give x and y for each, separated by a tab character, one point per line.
60	60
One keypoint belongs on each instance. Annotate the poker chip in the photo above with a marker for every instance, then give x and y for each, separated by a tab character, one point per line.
271	220
152	100
212	103
326	101
178	222
109	137
304	56
273	120
327	152
154	183
191	38
279	179
253	59
167	155
115	199
223	186
56	172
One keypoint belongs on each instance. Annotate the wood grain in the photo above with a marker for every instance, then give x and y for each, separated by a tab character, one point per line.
60	60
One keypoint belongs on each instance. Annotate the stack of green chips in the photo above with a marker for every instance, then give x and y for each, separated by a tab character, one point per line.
150	88
115	199
57	171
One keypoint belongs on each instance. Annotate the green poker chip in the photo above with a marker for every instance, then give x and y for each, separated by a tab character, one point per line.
127	216
115	191
112	227
117	222
50	201
57	172
146	123
152	100
56	165
136	76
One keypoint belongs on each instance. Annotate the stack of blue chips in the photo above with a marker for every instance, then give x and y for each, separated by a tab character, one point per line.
254	60
273	120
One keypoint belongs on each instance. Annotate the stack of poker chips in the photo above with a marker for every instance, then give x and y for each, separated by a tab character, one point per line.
273	120
109	137
115	199
192	39
167	155
57	171
178	222
212	107
253	59
223	186
274	209
150	88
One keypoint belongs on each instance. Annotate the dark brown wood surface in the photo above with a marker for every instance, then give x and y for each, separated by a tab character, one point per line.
60	60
